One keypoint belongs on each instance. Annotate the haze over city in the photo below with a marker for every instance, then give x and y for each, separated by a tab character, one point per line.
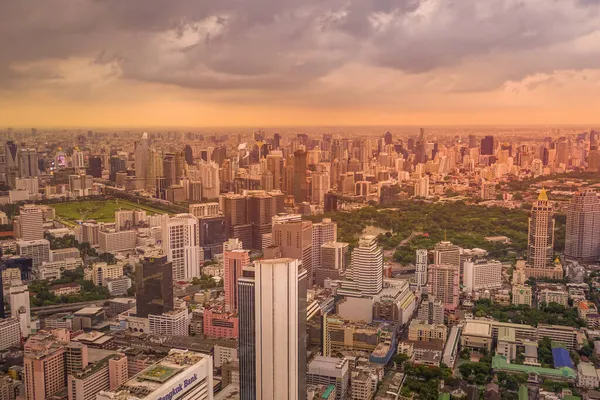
277	63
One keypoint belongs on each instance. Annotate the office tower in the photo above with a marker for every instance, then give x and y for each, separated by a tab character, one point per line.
44	366
28	163
31	222
387	138
594	159
234	208
188	154
275	165
367	265
562	152
300	185
280	296
213	232
181	375
142	152
294	239
540	242
421	269
320	186
472	142
335	255
155	168
94	167
330	201
235	259
247	337
443	283
582	242
117	164
154	286
420	149
322	232
330	371
209	176
180	242
170	169
482	274
20	308
487	146
261	207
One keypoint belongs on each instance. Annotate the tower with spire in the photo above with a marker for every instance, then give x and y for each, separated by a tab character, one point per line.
540	243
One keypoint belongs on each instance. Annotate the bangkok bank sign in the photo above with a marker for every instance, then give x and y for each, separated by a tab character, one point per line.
179	388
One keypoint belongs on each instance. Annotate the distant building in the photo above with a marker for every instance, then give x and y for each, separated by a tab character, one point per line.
582	242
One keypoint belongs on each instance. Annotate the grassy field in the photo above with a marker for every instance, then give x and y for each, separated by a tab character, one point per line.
101	211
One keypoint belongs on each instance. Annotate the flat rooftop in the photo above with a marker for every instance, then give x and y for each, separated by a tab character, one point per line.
477	328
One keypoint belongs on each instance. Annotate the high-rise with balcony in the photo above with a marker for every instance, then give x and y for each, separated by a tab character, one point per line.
45	369
582	242
443	284
540	242
294	239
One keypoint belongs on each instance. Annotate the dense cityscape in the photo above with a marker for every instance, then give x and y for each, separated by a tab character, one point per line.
296	263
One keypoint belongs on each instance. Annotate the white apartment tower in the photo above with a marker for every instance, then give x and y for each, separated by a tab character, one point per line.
421	269
367	265
180	242
280	315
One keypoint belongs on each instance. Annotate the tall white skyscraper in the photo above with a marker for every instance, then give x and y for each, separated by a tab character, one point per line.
142	154
367	265
20	308
421	269
180	242
280	318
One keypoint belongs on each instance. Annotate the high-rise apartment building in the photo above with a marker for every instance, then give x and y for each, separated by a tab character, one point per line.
37	250
280	298
234	208
235	259
582	242
421	269
181	245
431	311
204	209
443	284
154	286
447	253
31	222
10	333
367	265
540	243
28	163
209	176
323	232
44	364
294	239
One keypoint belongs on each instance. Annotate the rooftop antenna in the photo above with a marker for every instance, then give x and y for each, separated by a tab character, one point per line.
445	238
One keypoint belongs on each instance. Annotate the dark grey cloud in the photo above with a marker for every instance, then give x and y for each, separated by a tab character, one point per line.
278	44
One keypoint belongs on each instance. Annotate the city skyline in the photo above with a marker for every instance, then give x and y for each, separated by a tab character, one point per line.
310	63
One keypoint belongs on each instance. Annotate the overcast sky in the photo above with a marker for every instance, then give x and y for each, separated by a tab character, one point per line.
298	62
